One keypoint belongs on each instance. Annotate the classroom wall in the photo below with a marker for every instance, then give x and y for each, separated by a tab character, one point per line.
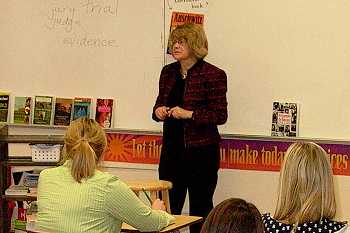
293	51
258	187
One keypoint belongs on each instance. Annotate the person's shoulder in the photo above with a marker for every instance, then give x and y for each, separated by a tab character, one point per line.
212	73
50	174
107	178
105	175
210	67
50	171
268	220
110	182
266	216
345	229
273	225
171	66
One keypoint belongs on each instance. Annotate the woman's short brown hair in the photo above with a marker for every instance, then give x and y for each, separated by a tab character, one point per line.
234	216
194	36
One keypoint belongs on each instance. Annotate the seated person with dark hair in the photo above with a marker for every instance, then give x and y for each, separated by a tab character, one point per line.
234	216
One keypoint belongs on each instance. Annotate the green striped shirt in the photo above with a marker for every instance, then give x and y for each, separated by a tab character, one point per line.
98	204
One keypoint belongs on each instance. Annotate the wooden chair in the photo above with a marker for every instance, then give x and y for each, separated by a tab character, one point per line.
154	187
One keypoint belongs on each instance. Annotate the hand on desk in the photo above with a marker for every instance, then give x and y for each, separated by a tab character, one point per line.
158	205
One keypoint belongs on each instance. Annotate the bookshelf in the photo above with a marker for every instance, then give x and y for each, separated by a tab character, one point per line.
7	161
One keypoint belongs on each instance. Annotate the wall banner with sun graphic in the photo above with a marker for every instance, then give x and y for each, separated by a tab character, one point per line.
246	153
133	148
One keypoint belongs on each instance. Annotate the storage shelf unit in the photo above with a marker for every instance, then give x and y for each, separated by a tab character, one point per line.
6	162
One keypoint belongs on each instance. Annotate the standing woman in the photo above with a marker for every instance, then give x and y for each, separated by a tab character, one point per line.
191	103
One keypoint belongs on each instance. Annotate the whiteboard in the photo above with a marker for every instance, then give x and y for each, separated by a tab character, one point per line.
85	48
292	51
287	51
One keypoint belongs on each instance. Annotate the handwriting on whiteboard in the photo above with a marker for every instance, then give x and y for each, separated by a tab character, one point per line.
73	20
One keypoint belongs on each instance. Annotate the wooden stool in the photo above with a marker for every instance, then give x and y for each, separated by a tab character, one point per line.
153	187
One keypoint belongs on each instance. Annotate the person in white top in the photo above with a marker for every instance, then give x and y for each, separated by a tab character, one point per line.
306	200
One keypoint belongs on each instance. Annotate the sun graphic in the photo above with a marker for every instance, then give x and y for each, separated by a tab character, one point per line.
119	147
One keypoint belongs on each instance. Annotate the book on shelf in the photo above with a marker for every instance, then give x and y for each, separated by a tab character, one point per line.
22	110
42	110
81	107
63	111
285	119
31	222
30	180
4	106
104	110
20	226
15	190
20	231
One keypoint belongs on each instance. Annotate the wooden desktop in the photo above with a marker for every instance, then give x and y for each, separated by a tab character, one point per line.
181	221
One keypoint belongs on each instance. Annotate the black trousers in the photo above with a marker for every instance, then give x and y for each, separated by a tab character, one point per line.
194	170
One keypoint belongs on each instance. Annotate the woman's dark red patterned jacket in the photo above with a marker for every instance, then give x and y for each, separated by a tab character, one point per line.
204	94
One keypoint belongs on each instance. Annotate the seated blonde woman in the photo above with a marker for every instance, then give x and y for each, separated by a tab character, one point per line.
306	201
76	197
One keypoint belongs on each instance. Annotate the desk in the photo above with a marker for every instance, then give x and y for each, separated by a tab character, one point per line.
181	221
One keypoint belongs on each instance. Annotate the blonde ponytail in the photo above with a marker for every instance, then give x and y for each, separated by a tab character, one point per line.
85	142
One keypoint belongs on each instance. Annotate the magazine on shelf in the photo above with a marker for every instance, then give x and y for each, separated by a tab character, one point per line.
4	106
81	107
42	110
104	110
285	119
22	110
63	111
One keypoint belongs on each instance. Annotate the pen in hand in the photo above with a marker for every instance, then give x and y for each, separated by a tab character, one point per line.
148	197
